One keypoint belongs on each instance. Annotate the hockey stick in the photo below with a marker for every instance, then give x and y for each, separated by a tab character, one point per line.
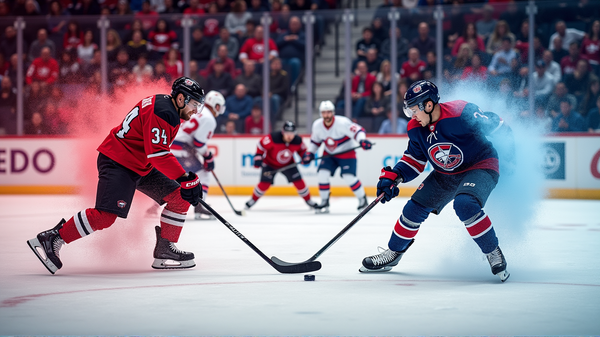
226	197
340	234
286	268
270	173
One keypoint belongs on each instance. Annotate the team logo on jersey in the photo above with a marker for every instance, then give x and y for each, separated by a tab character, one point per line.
284	156
446	155
330	144
121	204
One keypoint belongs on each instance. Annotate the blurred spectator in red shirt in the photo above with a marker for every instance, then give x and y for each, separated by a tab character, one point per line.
254	123
148	17
476	71
469	36
413	68
73	36
43	69
173	64
253	48
590	46
161	39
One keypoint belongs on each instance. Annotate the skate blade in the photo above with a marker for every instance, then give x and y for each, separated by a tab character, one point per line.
363	269
322	211
172	264
36	247
503	275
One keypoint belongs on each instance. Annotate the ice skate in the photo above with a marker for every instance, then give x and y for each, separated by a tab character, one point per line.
311	204
250	203
201	213
168	256
384	261
50	243
498	264
362	203
323	207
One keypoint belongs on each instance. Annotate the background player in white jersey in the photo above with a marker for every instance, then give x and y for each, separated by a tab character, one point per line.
340	135
191	144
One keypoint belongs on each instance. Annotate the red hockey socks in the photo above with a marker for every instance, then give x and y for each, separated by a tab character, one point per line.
302	189
85	223
260	190
173	215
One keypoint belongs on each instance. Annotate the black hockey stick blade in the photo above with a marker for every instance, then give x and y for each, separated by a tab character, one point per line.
340	234
240	213
285	268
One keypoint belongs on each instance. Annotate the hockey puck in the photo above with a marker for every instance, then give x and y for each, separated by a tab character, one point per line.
309	277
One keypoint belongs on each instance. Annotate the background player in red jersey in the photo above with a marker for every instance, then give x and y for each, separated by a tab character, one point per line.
136	156
274	152
452	137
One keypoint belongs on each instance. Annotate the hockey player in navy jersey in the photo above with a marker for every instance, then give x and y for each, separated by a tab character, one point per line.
339	135
452	137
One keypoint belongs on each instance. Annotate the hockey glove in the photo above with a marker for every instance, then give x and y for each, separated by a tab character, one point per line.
191	189
258	161
308	157
209	163
365	144
387	184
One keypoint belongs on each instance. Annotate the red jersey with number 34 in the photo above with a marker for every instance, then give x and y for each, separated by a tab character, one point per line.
143	140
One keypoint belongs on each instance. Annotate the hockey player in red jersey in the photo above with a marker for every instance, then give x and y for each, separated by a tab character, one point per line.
136	156
276	151
452	137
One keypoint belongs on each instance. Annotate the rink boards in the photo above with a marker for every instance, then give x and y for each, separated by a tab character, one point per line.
568	165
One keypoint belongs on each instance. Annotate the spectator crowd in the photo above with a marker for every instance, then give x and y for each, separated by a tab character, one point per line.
485	45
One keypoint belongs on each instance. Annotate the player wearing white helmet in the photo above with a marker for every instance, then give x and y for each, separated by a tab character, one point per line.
190	146
340	135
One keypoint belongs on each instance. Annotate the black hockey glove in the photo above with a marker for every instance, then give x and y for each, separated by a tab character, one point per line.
258	160
209	163
387	183
365	144
308	157
191	189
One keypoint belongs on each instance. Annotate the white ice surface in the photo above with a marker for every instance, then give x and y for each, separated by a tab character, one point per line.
442	286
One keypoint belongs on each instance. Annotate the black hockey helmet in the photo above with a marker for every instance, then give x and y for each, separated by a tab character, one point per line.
419	93
189	88
289	126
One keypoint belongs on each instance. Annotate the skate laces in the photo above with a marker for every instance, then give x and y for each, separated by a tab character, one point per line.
495	257
174	249
384	257
56	245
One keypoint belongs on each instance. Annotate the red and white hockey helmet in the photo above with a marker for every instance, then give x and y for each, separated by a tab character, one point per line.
326	106
215	100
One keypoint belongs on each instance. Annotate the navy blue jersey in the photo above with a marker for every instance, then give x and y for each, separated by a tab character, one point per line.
455	143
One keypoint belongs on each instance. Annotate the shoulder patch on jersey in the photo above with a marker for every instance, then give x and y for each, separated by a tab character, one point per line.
452	109
164	108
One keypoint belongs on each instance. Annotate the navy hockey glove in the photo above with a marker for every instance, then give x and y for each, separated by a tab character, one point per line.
365	144
308	157
387	184
258	161
209	163
191	189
